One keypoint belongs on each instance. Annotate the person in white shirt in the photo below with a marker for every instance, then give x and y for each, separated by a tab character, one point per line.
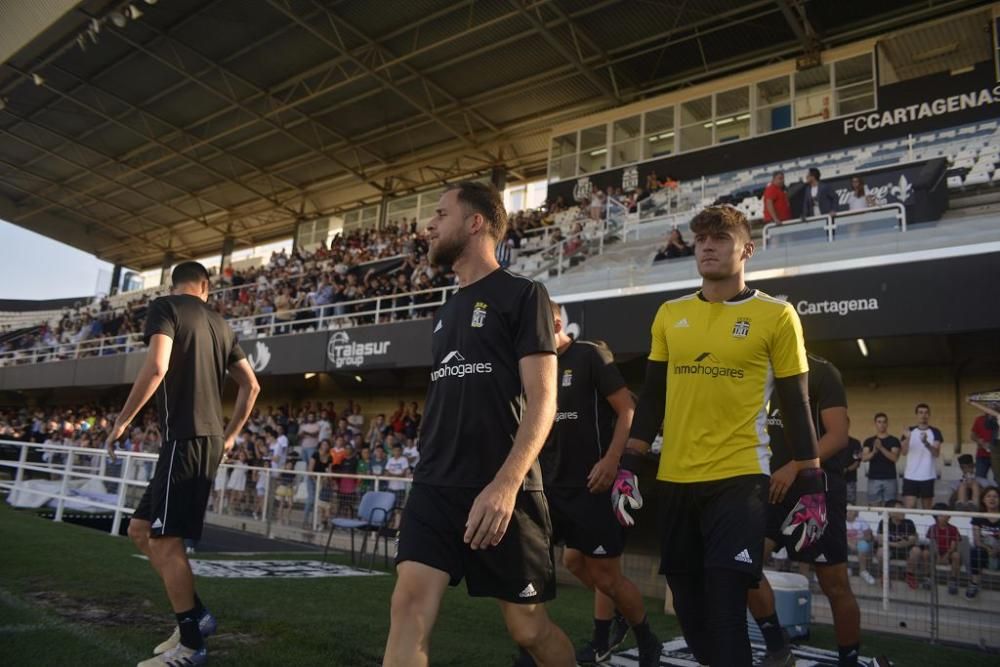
859	199
278	448
411	453
356	420
921	445
398	467
859	542
309	436
325	427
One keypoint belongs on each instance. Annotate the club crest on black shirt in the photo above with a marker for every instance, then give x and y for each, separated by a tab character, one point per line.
475	397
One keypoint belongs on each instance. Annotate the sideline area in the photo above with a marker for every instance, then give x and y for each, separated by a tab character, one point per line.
72	594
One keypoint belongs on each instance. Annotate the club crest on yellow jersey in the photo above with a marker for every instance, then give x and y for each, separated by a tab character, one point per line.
741	329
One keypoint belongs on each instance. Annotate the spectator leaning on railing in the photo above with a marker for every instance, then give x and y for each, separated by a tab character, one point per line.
985	553
776	206
819	198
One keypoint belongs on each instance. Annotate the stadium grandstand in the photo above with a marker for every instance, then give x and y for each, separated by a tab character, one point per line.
299	150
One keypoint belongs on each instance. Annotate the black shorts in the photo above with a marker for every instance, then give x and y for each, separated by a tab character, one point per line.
520	569
585	521
923	488
832	546
175	500
716	524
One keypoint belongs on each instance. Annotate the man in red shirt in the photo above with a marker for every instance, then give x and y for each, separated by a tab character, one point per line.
984	434
944	538
776	206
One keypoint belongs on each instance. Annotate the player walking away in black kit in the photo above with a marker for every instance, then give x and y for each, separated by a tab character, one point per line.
723	348
828	407
190	350
476	509
579	463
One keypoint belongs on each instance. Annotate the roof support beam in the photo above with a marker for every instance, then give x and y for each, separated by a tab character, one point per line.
795	15
282	6
571	57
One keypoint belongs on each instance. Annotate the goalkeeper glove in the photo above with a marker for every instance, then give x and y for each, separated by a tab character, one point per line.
625	494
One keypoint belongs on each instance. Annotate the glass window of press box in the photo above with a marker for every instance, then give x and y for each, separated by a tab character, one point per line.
836	88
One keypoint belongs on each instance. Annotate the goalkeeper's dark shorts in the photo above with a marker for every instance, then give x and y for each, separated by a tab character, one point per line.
719	524
832	546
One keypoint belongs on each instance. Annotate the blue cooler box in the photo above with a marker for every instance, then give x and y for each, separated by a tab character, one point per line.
792	601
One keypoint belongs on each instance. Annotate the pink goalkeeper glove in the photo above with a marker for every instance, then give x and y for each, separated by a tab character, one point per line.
625	496
804	525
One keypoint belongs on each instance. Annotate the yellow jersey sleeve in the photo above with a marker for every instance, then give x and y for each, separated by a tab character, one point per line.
788	349
658	348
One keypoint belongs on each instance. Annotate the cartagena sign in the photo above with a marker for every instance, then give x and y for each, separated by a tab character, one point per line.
940	106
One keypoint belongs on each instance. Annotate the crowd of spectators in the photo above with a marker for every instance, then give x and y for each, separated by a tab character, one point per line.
277	444
289	288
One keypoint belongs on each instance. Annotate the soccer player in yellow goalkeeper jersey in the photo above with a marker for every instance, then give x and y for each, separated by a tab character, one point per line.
715	358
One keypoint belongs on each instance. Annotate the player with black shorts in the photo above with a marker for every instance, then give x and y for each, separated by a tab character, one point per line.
579	463
191	349
476	510
724	349
828	408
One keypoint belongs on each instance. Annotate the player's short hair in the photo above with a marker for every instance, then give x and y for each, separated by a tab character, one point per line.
188	272
921	405
881	414
485	200
814	172
723	218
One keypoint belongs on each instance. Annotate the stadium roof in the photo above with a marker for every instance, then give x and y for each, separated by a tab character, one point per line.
133	130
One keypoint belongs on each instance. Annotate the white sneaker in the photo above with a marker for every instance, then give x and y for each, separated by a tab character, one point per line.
207	625
867	576
178	656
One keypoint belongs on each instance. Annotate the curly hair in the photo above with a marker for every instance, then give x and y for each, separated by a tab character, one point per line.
717	219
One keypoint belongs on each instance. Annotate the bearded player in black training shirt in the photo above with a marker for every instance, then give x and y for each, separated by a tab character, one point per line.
579	462
191	348
828	406
476	510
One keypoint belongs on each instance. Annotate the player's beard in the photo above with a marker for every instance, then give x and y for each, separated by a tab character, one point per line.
446	251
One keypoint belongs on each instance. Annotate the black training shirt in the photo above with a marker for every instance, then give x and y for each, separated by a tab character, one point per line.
475	397
880	467
585	421
189	400
826	390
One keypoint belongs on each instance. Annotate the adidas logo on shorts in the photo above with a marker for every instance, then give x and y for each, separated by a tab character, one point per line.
744	557
528	592
157	524
599	551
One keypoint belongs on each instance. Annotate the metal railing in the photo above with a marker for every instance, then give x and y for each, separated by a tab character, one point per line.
282	497
343	314
829	223
297	504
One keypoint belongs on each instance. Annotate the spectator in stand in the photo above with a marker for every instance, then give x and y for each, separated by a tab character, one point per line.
902	543
356	420
921	445
652	182
944	541
859	543
966	491
377	431
675	247
853	450
776	206
378	461
397	467
880	452
859	198
308	436
985	553
412	453
819	198
986	435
